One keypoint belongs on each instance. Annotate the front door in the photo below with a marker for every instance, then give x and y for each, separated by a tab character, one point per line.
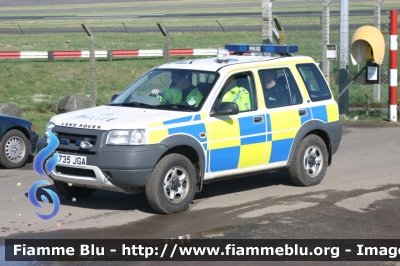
237	141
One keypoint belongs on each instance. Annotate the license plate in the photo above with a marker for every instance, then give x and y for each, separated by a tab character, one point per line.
71	159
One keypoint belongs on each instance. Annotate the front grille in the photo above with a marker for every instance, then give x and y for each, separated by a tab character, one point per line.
77	151
75	171
75	137
70	138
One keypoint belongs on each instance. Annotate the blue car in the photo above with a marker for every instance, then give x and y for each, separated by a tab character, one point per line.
18	139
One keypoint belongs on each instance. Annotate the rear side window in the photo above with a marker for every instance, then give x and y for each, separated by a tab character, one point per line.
315	82
279	87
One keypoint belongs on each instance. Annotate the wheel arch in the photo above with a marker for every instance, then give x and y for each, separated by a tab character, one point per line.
19	128
314	127
192	149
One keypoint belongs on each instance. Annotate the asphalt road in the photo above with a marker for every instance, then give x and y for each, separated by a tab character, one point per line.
358	198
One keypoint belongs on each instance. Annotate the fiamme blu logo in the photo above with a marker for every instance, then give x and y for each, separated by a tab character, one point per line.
43	167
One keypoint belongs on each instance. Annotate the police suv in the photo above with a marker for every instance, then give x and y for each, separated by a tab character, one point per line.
189	122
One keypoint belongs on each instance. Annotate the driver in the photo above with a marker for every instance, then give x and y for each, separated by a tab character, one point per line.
183	91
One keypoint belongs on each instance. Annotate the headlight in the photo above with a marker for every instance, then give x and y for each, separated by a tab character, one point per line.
49	126
126	137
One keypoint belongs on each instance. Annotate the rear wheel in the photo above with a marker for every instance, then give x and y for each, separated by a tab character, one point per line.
72	191
310	162
171	186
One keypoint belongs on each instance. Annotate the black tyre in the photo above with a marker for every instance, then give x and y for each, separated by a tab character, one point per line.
171	186
310	162
73	191
14	149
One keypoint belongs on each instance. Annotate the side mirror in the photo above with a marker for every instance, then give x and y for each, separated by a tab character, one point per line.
226	108
114	96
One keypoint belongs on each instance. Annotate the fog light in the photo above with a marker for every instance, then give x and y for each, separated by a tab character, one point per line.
85	145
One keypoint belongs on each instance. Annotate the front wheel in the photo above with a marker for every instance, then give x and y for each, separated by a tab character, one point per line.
171	186
310	162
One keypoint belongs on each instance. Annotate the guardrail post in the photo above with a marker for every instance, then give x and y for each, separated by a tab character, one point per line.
344	57
281	32
220	26
109	55
325	40
166	42
93	78
50	56
393	64
267	21
377	19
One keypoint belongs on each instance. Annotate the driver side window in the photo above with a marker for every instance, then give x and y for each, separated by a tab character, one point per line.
239	89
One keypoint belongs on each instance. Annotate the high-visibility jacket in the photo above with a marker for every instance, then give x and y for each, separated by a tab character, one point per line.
175	96
240	96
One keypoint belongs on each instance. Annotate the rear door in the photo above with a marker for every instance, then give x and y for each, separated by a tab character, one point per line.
284	113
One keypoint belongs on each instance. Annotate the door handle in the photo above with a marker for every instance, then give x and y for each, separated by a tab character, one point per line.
258	119
302	112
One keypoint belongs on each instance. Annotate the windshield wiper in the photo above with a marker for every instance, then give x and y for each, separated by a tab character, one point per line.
137	104
181	106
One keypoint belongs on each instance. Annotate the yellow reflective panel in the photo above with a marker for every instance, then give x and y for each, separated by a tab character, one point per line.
268	150
158	124
157	136
251	155
224	144
287	134
224	129
285	120
333	112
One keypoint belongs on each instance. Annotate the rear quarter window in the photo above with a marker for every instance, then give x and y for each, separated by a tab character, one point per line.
315	83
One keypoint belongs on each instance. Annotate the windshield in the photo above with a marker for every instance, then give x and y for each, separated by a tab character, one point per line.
170	89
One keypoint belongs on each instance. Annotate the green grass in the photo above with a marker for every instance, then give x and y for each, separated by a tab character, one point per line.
39	86
111	41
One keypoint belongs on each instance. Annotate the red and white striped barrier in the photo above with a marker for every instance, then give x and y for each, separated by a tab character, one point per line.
104	53
393	67
79	54
31	54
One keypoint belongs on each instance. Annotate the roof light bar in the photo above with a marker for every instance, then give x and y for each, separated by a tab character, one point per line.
262	48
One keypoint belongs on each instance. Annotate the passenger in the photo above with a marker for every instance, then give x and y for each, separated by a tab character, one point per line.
237	94
274	94
183	91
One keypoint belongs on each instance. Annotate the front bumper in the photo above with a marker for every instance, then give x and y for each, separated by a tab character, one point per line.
127	181
115	168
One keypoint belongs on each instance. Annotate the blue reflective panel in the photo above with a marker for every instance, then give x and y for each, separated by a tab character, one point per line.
266	48
240	48
280	49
